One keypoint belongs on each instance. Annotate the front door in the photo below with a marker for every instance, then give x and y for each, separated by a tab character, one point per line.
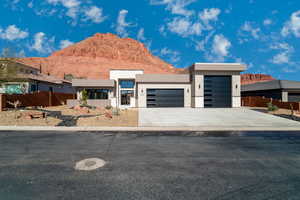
126	96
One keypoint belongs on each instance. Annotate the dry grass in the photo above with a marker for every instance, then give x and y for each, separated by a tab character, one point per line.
64	116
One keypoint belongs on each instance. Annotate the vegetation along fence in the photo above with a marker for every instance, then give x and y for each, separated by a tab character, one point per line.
262	102
43	99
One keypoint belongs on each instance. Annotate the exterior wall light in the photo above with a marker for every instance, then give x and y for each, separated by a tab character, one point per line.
199	86
188	90
236	86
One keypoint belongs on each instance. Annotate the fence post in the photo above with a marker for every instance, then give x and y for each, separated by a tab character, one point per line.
50	98
2	102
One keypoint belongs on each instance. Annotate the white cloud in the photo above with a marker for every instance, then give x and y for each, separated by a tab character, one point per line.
268	22
65	43
177	7
12	32
95	14
141	34
171	55
162	30
184	27
281	58
30	4
208	15
292	26
77	9
221	45
248	27
285	52
42	43
220	49
66	3
122	24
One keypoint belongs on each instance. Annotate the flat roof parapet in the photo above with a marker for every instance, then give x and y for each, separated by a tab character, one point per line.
92	83
218	67
163	78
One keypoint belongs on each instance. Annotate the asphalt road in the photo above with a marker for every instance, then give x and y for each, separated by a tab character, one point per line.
250	165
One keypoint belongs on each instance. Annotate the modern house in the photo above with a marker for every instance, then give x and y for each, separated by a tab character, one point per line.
286	91
203	85
22	79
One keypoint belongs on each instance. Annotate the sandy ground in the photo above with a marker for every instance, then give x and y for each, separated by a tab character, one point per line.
286	113
63	116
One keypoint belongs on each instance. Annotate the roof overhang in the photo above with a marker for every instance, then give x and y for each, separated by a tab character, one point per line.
162	78
272	85
238	67
92	83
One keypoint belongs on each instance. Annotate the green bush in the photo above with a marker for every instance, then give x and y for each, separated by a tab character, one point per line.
116	111
272	107
108	107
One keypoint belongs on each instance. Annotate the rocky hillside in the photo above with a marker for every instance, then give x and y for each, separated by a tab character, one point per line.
95	56
254	78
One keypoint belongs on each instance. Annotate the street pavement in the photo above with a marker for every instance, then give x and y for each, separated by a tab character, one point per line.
150	165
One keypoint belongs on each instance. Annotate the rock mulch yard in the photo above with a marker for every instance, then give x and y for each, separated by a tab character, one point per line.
64	116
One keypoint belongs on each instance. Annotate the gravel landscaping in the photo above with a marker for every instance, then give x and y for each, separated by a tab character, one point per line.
64	116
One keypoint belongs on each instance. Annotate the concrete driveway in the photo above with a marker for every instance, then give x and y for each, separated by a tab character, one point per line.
210	117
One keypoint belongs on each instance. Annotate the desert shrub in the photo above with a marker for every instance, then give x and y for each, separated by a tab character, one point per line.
108	107
116	111
84	97
272	107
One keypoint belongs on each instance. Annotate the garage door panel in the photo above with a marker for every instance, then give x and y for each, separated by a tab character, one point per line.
217	91
165	97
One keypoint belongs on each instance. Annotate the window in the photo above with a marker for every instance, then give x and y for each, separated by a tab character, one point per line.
97	93
126	84
33	88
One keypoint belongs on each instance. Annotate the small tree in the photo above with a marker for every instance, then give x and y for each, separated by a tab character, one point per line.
84	97
69	77
15	104
8	71
292	111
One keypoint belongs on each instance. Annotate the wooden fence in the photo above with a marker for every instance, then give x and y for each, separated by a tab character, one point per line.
43	99
262	102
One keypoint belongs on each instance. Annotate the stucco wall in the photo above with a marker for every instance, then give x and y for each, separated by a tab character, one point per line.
142	92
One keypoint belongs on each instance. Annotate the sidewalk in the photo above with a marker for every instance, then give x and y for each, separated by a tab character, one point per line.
131	129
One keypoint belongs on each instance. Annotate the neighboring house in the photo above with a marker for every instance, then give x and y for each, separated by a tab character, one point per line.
209	85
27	79
286	91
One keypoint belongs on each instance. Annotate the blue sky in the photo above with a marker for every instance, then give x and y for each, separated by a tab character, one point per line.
263	34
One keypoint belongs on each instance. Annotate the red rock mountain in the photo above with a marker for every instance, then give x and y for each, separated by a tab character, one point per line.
95	56
254	78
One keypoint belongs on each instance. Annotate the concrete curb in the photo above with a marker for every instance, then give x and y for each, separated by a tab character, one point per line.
134	129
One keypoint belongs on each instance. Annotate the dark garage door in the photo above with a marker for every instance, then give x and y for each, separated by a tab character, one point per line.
165	98
294	97
217	91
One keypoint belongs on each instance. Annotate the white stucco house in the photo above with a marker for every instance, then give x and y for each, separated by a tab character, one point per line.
203	85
